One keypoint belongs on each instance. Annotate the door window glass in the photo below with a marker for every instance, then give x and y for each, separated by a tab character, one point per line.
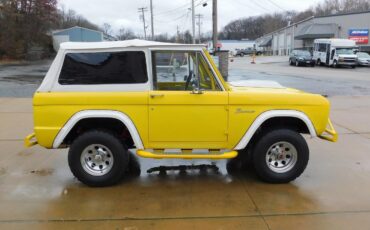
182	71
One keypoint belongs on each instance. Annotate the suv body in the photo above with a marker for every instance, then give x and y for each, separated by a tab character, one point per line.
301	57
168	101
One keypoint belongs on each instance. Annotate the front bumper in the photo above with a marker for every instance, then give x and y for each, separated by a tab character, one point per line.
329	134
363	63
344	63
30	140
306	62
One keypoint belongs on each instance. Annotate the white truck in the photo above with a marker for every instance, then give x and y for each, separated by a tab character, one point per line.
335	52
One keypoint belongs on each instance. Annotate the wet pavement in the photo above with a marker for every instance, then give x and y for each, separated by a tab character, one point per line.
319	79
22	80
37	190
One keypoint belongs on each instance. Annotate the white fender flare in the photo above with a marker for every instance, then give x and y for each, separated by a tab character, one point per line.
271	114
99	114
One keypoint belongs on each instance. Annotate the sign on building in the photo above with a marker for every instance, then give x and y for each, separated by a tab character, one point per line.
361	36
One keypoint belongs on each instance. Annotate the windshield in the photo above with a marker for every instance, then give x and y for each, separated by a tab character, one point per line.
303	53
344	51
363	55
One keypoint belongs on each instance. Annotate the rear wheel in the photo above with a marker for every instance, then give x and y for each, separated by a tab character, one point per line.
98	158
280	156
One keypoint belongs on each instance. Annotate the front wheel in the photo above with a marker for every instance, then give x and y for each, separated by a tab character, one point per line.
98	158
335	64
280	156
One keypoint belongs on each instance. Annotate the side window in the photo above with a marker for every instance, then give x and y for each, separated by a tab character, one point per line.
181	71
128	67
322	47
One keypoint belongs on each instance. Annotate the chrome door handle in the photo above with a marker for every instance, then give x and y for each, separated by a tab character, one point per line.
156	95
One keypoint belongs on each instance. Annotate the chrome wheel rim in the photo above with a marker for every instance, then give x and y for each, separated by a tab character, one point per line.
281	157
97	160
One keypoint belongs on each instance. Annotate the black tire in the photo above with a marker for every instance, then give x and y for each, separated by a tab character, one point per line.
296	63
115	146
335	64
241	54
290	62
353	67
268	140
318	62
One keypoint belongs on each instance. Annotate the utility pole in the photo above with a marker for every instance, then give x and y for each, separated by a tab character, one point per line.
178	34
142	10
199	16
151	18
193	19
214	19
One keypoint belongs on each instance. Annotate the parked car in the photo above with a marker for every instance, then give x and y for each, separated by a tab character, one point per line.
169	101
249	51
301	57
363	59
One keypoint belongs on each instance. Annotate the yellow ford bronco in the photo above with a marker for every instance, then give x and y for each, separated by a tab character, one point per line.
169	101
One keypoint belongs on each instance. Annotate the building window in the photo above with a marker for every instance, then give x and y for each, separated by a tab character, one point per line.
127	67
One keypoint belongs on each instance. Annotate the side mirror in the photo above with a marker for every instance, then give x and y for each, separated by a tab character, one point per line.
196	90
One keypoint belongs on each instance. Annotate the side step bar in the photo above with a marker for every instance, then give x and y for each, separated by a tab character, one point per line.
213	156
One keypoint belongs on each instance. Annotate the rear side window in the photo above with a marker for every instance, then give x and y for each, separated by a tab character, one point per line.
127	67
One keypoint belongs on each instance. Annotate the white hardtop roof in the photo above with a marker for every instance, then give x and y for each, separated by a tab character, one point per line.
336	41
122	44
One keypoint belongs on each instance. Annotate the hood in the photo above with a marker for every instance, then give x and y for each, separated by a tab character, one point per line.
347	55
256	84
364	59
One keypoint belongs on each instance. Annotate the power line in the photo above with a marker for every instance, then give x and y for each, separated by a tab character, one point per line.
172	11
259	5
171	20
249	6
273	3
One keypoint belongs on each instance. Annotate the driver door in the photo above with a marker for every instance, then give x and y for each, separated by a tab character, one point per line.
187	106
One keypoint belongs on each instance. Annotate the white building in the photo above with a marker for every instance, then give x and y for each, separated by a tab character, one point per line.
301	35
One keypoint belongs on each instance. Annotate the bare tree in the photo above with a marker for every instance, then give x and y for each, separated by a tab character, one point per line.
125	34
107	28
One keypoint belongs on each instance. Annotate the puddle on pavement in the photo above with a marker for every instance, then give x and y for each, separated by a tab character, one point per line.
21	79
42	172
2	171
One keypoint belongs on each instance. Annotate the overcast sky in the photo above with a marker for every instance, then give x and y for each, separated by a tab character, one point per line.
168	14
